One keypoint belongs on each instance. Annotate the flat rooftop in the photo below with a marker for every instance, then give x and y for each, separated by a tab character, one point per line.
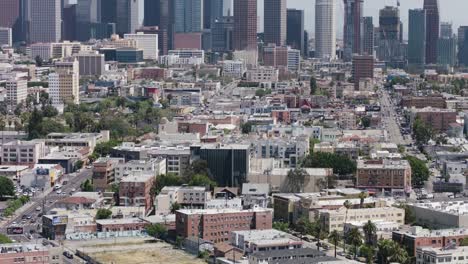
221	211
449	207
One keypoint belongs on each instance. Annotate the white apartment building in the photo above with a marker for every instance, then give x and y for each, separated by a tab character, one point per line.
25	153
64	83
16	91
186	196
263	74
154	167
325	29
448	255
233	68
335	219
147	42
294	60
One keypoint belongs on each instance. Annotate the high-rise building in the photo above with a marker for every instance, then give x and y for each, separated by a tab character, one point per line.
6	37
69	22
215	9
367	47
17	91
295	29
222	34
325	29
147	42
88	12
463	45
127	16
432	29
166	16
64	83
389	48
275	22
245	24
10	16
363	67
152	15
188	15
417	39
46	21
306	44
447	51
446	30
353	11
109	11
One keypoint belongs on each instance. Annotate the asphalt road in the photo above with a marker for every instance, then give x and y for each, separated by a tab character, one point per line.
389	120
47	203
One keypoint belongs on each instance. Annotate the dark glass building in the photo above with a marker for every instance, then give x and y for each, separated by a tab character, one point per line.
245	26
353	11
417	40
295	30
432	29
221	34
152	15
367	36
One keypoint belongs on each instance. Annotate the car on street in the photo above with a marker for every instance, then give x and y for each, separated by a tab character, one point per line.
38	208
58	191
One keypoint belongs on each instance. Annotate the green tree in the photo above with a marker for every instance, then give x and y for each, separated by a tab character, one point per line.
354	238
366	121
334	238
464	242
202	180
390	251
87	186
246	128
175	207
7	187
79	164
295	181
165	180
195	168
4	239
340	164
419	171
313	85
157	231
370	232
281	226
368	252
262	92
39	61
422	132
362	196
104	148
410	217
347	204
103	213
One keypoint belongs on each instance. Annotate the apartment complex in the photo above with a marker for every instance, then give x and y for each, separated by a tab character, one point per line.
16	91
384	174
216	225
135	190
104	172
25	153
64	83
438	119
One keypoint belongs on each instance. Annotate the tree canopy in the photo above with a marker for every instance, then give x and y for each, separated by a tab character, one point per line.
422	132
103	213
7	187
419	171
157	230
340	164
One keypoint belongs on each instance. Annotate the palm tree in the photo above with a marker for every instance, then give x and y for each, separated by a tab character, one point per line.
368	252
362	196
399	254
355	239
387	251
334	237
347	204
370	232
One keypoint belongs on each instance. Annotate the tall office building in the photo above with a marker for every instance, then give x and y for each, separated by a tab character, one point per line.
10	16
389	44
151	14
109	11
446	30
275	22
325	29
306	44
127	18
69	22
463	45
147	42
447	51
166	25
363	67
46	21
215	9
295	29
432	29
353	11
417	40
367	46
88	13
6	36
64	83
188	16
17	91
245	24
222	34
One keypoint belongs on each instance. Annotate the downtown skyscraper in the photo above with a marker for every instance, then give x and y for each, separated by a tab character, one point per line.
275	22
353	11
367	44
188	16
417	40
127	16
245	25
46	21
152	13
325	29
295	29
432	29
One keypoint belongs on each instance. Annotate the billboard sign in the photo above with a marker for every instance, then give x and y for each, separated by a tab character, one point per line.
15	230
60	220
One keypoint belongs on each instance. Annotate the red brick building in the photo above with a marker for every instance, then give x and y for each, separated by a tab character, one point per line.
216	225
363	67
383	174
192	127
419	237
421	102
192	40
153	73
275	55
135	190
438	119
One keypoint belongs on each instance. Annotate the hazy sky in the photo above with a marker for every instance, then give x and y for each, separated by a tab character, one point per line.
454	11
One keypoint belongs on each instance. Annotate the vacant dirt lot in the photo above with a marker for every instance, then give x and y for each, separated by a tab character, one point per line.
133	251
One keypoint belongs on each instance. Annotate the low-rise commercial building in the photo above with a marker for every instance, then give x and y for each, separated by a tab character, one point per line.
438	119
30	253
445	214
26	153
77	139
449	254
252	241
384	174
104	172
135	190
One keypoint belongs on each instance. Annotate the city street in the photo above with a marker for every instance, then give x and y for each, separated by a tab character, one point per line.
44	203
389	120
